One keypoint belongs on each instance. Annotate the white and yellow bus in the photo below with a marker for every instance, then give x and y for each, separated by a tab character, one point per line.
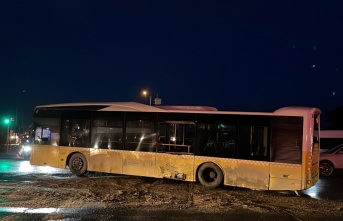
267	151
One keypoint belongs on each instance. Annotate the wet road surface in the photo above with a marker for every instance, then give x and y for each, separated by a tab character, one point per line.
15	170
327	187
100	214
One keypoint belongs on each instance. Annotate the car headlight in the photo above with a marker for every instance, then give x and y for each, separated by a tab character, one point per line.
27	148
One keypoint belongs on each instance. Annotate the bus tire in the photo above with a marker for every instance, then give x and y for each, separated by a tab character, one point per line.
78	164
210	175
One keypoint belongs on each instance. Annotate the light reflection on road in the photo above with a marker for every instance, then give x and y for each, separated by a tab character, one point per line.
29	210
327	188
25	167
314	192
17	167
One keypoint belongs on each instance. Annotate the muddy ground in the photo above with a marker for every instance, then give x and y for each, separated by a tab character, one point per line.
137	193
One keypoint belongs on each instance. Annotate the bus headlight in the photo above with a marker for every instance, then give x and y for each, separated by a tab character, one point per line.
27	148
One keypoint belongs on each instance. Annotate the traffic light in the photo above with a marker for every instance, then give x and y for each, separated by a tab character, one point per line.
7	121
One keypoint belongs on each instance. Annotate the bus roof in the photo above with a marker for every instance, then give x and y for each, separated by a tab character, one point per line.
138	107
126	106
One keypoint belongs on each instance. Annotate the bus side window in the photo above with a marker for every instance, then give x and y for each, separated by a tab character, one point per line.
287	136
176	137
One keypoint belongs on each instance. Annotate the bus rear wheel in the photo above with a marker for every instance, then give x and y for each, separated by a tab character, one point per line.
78	164
210	175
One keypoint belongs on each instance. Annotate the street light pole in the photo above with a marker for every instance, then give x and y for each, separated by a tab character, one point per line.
145	93
157	100
8	135
16	114
7	121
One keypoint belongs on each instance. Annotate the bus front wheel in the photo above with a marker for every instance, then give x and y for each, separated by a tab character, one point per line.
210	175
78	164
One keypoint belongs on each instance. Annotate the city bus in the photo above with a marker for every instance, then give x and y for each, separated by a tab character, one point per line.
256	150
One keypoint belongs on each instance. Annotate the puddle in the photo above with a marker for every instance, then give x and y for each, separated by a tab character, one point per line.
3	200
36	211
4	191
28	182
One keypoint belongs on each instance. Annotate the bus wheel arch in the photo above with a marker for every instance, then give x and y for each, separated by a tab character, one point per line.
210	175
77	163
326	168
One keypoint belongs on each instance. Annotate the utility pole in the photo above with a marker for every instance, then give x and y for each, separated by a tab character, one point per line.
7	121
16	114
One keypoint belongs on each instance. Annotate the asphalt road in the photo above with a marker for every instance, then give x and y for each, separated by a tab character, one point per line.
19	170
15	169
327	187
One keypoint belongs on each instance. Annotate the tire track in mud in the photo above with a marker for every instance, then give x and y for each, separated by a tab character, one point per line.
155	194
191	194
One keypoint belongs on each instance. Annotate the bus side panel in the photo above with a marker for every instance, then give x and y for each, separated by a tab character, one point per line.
43	155
248	174
175	166
106	161
138	163
285	176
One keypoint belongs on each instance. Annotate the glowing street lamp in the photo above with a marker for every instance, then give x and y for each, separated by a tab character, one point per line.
146	93
157	100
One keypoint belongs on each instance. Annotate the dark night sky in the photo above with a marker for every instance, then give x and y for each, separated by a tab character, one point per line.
233	55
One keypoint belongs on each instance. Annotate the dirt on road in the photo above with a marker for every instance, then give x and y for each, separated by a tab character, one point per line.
127	192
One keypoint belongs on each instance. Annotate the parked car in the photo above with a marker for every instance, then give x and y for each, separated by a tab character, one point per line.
331	160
